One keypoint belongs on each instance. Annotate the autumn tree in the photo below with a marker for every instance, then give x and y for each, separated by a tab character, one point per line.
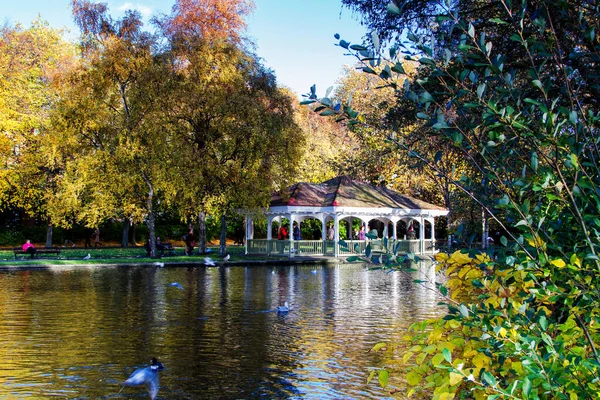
30	60
112	110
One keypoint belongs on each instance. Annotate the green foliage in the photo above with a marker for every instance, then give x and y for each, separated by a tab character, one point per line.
521	108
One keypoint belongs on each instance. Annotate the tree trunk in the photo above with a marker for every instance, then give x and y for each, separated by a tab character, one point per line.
150	221
49	233
223	237
202	232
125	237
132	238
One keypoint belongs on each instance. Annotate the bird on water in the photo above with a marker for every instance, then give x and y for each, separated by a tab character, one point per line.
146	376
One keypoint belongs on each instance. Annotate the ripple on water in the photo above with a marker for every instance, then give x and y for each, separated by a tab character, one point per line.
80	333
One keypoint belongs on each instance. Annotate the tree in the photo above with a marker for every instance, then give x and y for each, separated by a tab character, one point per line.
237	127
207	19
520	324
125	152
31	60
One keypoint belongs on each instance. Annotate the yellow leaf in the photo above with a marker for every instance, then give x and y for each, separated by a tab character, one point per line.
413	378
455	378
441	257
558	263
481	360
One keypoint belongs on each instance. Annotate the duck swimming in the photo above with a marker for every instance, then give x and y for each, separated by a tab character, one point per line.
284	308
146	376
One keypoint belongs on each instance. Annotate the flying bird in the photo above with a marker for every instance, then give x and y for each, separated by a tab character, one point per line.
284	308
177	285
146	376
87	257
209	261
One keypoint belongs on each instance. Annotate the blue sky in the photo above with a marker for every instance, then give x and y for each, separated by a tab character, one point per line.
294	37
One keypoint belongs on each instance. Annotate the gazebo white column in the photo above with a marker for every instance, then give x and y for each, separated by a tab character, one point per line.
270	228
291	235
336	235
422	234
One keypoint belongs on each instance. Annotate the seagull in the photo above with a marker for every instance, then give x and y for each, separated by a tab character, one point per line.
87	257
226	258
284	308
209	261
177	285
146	376
159	264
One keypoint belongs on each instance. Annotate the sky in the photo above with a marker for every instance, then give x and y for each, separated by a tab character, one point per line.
293	37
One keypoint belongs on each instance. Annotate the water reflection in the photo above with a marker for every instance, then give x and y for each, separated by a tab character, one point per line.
76	333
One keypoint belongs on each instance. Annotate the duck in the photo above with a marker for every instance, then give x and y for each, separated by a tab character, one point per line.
209	262
146	376
285	308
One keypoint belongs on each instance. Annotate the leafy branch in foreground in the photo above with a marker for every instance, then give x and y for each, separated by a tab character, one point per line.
527	121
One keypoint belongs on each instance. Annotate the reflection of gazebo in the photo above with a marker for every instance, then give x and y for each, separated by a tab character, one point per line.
342	200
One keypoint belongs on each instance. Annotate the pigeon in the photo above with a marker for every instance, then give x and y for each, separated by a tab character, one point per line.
87	257
146	376
226	258
177	285
209	261
284	308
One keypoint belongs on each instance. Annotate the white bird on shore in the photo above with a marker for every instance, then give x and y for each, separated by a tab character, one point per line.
209	262
284	308
159	264
146	376
87	257
177	285
226	258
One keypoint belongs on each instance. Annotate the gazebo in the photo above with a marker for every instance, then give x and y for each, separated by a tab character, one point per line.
406	222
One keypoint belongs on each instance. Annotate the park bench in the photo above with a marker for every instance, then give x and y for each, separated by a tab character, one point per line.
168	249
38	252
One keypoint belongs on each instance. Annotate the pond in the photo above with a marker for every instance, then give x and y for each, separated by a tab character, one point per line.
80	332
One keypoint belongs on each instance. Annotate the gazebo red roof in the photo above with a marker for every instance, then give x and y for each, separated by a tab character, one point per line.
343	191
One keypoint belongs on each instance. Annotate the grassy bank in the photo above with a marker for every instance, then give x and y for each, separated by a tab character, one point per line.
117	255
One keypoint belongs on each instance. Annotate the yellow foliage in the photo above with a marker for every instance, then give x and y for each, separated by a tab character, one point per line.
481	360
559	263
455	378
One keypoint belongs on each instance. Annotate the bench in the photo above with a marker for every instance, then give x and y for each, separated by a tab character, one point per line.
168	249
38	252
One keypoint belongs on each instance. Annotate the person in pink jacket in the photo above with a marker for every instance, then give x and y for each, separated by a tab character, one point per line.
29	248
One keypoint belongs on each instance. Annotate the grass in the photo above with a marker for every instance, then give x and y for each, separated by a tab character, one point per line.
118	255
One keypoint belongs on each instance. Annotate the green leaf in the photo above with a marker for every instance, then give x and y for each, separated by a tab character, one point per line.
447	355
471	30
422	115
371	376
534	161
444	290
344	44
352	259
383	378
464	311
543	322
393	8
526	387
504	241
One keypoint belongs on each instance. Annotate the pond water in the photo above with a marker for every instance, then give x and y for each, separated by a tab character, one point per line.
80	332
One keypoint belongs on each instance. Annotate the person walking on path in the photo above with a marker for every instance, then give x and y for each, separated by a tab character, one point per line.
96	236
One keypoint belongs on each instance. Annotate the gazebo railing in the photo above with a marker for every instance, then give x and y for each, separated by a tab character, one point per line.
327	247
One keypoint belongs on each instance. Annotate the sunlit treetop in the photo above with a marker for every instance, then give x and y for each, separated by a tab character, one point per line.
207	19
